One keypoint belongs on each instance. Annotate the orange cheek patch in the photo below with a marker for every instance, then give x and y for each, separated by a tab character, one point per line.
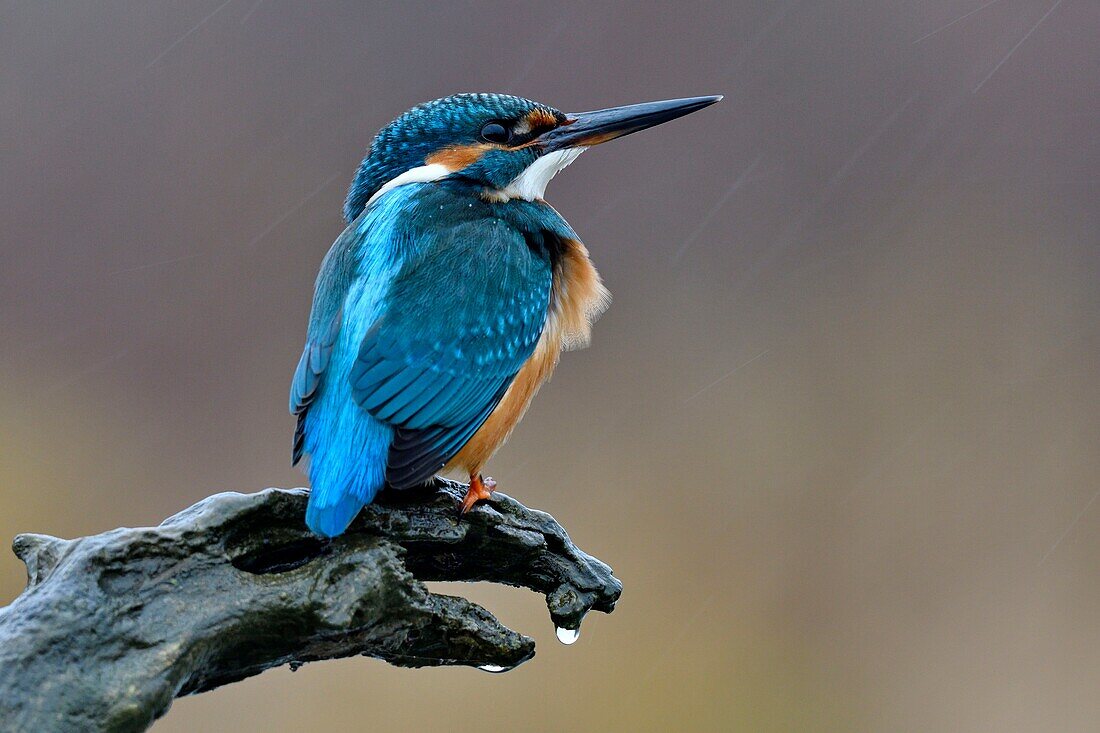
457	157
538	118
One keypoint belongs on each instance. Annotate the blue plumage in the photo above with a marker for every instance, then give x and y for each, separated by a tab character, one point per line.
442	345
437	294
409	348
347	446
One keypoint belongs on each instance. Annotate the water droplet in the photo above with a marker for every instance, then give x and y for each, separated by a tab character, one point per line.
567	636
493	668
295	666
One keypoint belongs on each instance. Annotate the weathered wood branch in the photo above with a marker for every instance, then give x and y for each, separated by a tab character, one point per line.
111	628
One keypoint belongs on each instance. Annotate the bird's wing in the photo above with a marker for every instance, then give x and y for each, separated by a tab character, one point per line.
461	318
307	378
325	320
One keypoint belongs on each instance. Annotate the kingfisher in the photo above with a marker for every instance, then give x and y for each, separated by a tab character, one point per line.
449	297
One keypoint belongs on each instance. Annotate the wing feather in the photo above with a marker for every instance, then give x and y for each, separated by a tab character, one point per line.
460	320
307	378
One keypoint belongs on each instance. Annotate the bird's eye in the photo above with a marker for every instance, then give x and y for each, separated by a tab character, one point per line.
495	132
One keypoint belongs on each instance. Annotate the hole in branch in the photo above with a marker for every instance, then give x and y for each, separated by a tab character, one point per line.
281	558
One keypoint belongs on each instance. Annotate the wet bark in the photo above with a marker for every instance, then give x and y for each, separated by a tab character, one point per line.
112	627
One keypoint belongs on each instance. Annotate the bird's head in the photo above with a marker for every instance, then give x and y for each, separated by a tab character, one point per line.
508	146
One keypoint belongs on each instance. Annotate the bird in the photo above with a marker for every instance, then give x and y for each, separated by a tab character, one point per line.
448	298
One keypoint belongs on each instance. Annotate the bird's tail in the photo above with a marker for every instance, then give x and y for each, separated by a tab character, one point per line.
330	518
347	467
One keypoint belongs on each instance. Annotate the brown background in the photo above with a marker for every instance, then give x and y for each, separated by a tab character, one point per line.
837	434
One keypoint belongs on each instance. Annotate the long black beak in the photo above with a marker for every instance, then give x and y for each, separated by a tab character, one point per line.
583	129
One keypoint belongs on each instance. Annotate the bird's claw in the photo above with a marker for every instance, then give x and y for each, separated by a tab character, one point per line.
480	488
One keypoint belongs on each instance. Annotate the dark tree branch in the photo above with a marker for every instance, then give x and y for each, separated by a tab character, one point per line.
112	627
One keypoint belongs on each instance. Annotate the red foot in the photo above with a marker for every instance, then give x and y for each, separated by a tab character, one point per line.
480	488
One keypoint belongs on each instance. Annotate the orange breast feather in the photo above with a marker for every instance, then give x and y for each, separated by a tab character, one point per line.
577	299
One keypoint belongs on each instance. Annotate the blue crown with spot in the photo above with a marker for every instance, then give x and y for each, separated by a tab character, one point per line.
408	140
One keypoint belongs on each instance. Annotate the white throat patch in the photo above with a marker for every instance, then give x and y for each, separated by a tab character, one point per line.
531	183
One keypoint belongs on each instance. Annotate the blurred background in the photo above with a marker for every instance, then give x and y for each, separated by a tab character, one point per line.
837	433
